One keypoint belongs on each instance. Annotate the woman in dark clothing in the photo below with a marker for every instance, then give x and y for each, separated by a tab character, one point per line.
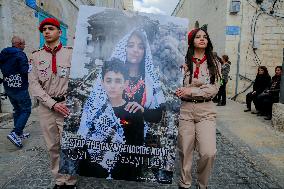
225	69
268	97
261	83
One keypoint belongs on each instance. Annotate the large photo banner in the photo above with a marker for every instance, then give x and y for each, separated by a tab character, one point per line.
123	111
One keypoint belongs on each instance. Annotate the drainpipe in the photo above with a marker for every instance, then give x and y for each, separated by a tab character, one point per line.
281	99
239	54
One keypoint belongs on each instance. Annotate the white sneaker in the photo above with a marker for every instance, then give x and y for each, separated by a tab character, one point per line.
24	136
15	139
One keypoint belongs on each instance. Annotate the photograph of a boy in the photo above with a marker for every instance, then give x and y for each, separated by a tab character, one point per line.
114	82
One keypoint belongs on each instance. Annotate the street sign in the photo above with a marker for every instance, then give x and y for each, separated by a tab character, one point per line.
232	30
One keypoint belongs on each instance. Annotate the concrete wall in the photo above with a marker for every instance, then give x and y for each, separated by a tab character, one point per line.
207	12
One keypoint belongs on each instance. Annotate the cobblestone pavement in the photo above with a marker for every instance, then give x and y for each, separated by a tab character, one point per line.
29	168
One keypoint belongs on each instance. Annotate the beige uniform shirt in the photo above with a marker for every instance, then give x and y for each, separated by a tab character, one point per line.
201	87
43	83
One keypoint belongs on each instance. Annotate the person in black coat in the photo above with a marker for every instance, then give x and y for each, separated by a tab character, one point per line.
270	96
15	67
261	83
225	69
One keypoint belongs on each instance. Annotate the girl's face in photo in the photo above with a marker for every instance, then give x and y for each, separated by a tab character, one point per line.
200	40
135	50
260	71
114	84
278	71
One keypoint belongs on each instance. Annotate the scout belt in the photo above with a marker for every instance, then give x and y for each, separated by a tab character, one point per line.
59	98
196	101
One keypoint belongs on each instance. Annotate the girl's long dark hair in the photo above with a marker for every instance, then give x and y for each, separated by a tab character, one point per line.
211	60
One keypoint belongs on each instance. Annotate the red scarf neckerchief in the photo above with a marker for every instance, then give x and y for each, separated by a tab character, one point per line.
53	52
196	73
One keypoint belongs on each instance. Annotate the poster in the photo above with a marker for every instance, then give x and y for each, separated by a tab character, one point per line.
124	114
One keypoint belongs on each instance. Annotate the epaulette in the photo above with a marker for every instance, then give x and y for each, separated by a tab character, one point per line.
67	47
37	50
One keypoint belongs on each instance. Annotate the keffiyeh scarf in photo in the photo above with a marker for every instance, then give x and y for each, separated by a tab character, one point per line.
99	123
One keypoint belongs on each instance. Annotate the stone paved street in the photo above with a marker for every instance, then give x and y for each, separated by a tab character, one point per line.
28	168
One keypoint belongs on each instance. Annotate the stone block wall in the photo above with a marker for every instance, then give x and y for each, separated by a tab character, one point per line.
278	116
269	43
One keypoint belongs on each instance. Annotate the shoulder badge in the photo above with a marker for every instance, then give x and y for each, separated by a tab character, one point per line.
67	47
37	50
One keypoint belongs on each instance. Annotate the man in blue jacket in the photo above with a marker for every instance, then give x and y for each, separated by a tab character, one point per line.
15	67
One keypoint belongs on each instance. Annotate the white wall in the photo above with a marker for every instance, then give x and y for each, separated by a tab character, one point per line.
211	12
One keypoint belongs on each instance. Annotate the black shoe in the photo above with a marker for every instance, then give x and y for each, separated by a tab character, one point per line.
268	118
247	110
220	104
198	187
65	186
70	186
261	114
215	100
255	112
57	186
182	187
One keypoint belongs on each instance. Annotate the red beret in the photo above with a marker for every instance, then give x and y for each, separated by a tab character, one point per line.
50	21
190	34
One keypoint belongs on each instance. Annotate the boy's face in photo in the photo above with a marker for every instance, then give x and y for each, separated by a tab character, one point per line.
114	84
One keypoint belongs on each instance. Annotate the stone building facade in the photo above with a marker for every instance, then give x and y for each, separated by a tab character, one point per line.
250	32
22	17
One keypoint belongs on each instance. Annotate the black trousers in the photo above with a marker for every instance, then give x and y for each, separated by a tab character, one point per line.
265	103
221	96
252	98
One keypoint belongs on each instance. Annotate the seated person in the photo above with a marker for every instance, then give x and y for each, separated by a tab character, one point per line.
270	96
261	83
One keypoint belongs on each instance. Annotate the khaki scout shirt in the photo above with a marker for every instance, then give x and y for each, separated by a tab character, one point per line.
201	87
43	83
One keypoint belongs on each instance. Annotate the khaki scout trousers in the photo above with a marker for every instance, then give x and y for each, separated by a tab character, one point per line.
197	130
52	125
